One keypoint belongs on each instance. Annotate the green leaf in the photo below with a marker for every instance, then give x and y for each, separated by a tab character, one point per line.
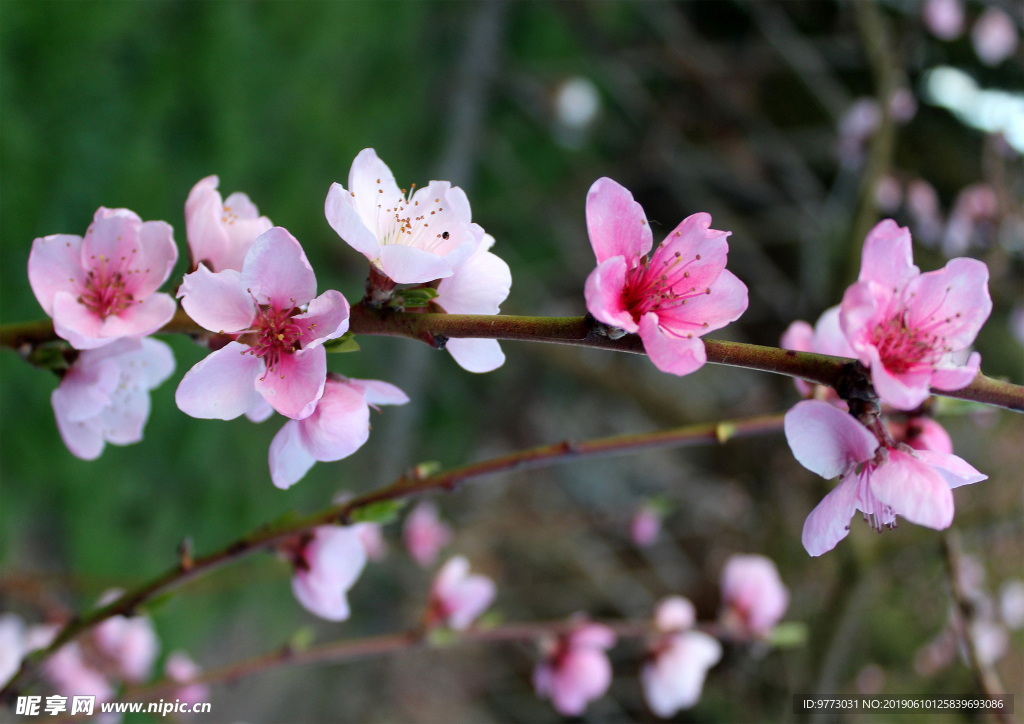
50	356
302	639
788	634
426	469
413	298
344	343
441	637
382	512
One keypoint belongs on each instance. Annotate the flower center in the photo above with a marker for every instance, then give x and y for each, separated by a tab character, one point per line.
902	348
276	334
876	513
105	290
400	221
660	284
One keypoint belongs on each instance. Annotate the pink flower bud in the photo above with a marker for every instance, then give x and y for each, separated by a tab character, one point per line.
673	678
458	598
221	232
754	598
576	670
326	567
131	643
181	668
424	534
994	36
645	525
944	18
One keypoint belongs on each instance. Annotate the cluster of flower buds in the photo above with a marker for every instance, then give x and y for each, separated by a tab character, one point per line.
908	329
994	35
121	650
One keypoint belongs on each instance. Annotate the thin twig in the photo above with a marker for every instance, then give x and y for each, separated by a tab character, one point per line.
410	484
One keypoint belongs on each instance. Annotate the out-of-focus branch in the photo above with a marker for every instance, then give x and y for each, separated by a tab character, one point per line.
581	331
413	483
985	674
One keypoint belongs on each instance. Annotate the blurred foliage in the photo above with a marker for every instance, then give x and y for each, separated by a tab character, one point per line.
129	104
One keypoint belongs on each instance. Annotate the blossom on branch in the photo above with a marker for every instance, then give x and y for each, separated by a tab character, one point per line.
220	232
327	565
754	598
575	669
425	534
103	287
679	659
457	598
825	337
906	326
478	286
181	668
880	480
410	238
672	298
130	642
338	427
281	326
104	396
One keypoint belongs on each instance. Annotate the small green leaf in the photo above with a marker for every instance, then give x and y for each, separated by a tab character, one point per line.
344	343
426	469
441	637
788	634
302	639
490	619
413	298
382	512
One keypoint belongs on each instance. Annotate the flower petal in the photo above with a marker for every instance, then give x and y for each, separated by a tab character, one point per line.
669	352
325	318
260	410
376	392
346	221
295	383
367	179
86	389
957	378
155	258
339	425
955	470
288	457
74	322
409	265
217	301
705	313
277	272
829	337
476	355
616	224
479	286
798	336
144	317
55	265
603	292
221	386
826	440
951	303
905	391
207	237
829	522
887	257
914	490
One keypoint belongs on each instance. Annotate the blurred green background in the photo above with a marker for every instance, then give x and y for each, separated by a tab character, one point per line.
129	104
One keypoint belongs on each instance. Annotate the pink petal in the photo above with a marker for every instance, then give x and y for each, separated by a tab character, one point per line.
346	221
594	635
951	303
603	292
142	318
751	584
207	237
218	302
260	411
151	258
123	422
376	392
277	272
829	522
221	386
888	258
112	232
81	438
701	250
914	490
424	534
74	322
55	265
476	355
798	336
674	613
861	309
669	352
904	391
826	440
336	558
367	177
442	208
339	425
243	229
295	384
955	470
957	378
325	318
675	679
584	676
409	265
479	286
616	223
86	388
288	457
707	312
156	361
829	337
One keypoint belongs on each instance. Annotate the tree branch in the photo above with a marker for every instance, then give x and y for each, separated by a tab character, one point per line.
580	331
410	484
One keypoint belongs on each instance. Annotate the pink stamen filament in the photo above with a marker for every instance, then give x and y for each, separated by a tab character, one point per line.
105	291
276	335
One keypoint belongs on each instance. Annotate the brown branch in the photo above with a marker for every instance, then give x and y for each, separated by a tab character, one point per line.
410	484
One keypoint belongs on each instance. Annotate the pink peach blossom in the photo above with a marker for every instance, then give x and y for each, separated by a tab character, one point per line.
826	337
103	287
104	396
645	525
682	292
575	669
994	36
180	667
220	232
944	18
478	286
754	598
921	433
458	598
338	427
131	642
326	568
71	675
424	533
880	481
279	358
372	538
906	325
411	238
679	659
